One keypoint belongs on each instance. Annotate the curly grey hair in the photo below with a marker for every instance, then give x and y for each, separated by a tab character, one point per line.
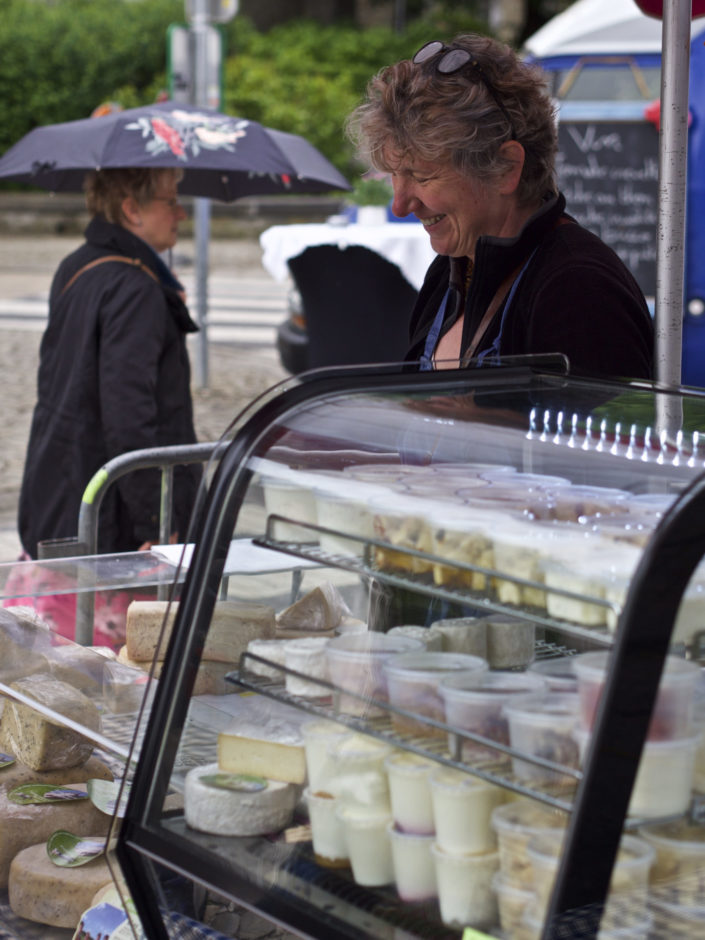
415	111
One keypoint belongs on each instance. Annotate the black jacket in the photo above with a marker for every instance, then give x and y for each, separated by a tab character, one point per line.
114	376
576	297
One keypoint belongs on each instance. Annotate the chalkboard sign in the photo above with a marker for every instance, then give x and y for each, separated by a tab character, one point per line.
608	172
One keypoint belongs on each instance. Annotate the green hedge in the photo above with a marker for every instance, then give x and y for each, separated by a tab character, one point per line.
59	60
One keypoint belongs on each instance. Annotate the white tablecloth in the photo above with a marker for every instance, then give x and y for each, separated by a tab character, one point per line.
406	244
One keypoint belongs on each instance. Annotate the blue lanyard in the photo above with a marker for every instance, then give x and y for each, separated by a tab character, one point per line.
493	349
426	360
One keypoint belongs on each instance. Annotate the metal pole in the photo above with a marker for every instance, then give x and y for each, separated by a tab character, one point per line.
202	207
673	153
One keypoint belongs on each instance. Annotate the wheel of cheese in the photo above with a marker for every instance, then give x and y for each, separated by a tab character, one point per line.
237	812
42	892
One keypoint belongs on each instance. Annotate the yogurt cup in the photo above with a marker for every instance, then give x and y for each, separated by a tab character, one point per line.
410	792
359	777
462	807
474	701
678	872
465	894
318	736
307	655
342	507
294	502
516	823
673	711
558	673
355	664
367	840
414	870
544	727
462	635
412	684
327	833
628	893
662	762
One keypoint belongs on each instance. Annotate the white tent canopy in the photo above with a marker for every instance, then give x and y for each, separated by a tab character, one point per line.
600	27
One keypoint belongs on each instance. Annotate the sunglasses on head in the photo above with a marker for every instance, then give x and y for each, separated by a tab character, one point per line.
452	61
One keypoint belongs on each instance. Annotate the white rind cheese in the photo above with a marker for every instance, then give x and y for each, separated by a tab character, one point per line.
232	627
46	894
42	744
237	813
22	826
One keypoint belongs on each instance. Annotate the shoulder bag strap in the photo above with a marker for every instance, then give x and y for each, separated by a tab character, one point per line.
135	262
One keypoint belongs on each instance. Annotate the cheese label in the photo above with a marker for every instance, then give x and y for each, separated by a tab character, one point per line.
44	793
243	783
69	851
105	795
6	760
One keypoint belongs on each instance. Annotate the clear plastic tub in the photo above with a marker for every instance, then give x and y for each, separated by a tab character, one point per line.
544	727
410	791
414	871
516	823
512	902
558	673
307	655
664	779
678	873
462	811
465	894
628	893
474	701
412	684
674	707
355	664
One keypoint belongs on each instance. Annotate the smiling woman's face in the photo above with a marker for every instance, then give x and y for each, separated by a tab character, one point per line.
454	209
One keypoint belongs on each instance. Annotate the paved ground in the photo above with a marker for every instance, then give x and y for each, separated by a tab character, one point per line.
240	364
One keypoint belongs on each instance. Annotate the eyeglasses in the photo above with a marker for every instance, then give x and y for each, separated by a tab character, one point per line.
171	202
453	61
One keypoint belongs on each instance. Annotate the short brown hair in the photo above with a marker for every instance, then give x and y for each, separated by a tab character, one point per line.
415	110
106	189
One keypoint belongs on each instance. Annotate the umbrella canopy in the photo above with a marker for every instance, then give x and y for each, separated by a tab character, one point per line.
222	157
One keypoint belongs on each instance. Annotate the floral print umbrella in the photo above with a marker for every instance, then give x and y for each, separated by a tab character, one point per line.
222	157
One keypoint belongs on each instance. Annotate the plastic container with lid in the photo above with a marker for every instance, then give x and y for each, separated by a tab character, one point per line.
412	684
462	811
293	502
307	656
327	833
673	711
355	665
678	873
474	702
465	894
512	902
628	893
664	779
544	727
402	521
516	823
358	776
367	840
342	506
318	736
558	672
414	871
410	791
463	536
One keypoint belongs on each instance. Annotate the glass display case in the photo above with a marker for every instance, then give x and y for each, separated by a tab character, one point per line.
468	690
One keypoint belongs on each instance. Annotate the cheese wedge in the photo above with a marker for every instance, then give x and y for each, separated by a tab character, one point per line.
276	759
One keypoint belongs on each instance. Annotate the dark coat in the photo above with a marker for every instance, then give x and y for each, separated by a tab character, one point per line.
114	376
576	297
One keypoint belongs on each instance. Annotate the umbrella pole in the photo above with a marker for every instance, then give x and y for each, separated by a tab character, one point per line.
202	218
673	169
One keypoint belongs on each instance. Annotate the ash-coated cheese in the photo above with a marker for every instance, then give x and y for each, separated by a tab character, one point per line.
278	757
22	826
38	742
210	676
235	812
232	627
42	892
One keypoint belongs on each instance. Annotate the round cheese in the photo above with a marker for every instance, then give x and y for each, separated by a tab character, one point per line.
227	812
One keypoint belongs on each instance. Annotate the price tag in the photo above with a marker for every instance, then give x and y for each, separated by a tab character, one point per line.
44	793
471	934
69	851
6	760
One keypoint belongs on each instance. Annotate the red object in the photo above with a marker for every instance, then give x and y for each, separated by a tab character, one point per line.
652	112
655	8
